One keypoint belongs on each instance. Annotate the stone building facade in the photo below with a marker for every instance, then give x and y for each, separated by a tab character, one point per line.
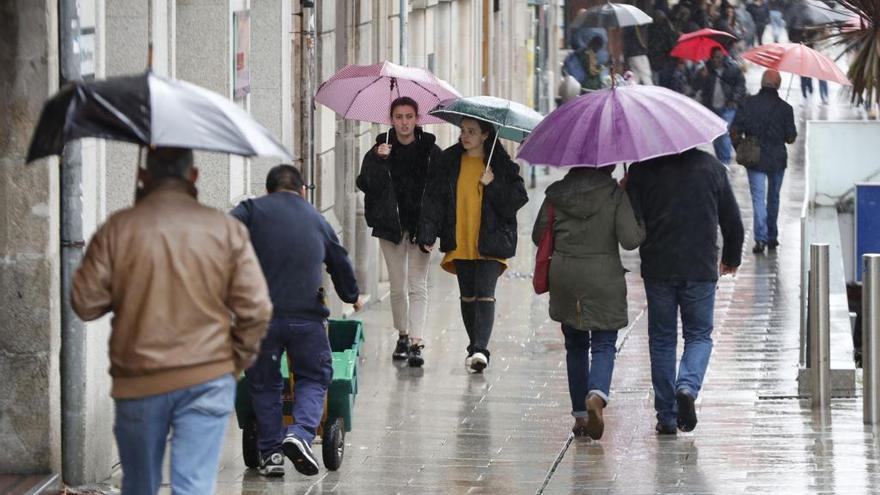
479	46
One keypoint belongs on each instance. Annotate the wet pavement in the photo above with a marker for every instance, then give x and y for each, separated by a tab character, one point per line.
440	429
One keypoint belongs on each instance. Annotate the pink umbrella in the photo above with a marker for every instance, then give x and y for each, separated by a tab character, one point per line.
797	59
365	92
619	125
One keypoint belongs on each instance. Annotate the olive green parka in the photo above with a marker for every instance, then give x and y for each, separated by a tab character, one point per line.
593	217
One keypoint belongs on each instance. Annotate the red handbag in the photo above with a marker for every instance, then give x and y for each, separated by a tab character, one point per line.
541	279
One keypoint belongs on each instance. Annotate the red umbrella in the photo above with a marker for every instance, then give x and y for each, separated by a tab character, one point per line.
797	59
698	46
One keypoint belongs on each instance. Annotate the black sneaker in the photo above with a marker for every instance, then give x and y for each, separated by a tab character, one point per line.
663	429
687	412
772	245
401	350
300	453
759	248
273	466
415	355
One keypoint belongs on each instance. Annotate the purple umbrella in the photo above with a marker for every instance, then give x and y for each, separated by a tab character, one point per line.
365	92
619	125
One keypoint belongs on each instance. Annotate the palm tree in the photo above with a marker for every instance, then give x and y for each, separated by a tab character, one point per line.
861	39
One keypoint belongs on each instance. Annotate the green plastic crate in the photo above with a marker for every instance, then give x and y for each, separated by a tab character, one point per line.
346	337
346	334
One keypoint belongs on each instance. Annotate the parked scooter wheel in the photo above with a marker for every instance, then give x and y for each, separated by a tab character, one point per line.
333	444
249	446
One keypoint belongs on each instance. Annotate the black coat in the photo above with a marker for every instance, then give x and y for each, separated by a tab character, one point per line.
393	187
769	118
502	198
733	83
682	200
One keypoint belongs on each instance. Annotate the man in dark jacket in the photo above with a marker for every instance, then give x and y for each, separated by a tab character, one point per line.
682	200
761	15
393	177
635	48
722	87
292	241
770	119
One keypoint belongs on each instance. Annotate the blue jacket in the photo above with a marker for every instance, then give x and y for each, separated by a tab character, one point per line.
769	118
292	240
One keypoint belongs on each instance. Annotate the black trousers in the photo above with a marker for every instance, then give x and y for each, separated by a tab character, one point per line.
477	280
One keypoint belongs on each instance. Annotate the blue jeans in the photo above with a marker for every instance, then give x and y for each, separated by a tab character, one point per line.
696	300
722	144
765	203
196	417
585	377
806	86
823	90
312	367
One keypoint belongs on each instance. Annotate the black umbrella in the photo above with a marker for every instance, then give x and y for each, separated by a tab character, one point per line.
153	111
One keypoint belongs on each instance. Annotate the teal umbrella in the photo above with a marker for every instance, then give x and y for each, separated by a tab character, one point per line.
512	120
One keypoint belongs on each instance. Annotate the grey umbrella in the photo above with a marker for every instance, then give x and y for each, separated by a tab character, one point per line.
815	13
611	15
152	111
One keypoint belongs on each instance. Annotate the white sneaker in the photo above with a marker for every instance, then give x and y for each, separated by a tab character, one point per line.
479	361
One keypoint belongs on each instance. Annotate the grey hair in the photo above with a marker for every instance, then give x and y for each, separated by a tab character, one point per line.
170	162
771	79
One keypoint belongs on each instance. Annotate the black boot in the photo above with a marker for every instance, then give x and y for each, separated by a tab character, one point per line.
469	317
401	349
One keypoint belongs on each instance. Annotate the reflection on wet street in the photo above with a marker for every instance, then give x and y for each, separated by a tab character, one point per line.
441	429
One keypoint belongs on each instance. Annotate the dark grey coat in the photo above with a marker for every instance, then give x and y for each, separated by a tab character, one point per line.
593	217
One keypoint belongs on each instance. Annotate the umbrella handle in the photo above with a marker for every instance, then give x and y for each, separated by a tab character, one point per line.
492	151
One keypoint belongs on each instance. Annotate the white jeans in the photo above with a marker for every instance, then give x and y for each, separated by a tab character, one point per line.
641	69
408	271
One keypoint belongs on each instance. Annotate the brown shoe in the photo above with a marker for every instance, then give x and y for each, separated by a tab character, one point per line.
595	423
580	427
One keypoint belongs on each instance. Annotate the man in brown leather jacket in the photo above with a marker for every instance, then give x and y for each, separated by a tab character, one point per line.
190	306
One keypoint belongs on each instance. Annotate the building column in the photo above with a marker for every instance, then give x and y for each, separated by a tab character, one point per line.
204	57
30	325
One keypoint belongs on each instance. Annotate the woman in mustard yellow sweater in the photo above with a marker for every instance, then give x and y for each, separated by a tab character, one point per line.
471	206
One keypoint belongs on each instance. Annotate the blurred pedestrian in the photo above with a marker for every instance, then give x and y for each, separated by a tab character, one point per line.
761	15
768	118
393	177
190	306
682	200
722	87
592	219
635	48
777	18
470	204
293	243
663	38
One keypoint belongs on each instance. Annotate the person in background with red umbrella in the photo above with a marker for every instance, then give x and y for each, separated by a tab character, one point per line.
770	119
393	177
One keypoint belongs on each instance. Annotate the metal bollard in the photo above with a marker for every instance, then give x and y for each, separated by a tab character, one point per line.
820	326
871	337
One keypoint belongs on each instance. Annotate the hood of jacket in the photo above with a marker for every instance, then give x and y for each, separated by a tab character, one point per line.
582	192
